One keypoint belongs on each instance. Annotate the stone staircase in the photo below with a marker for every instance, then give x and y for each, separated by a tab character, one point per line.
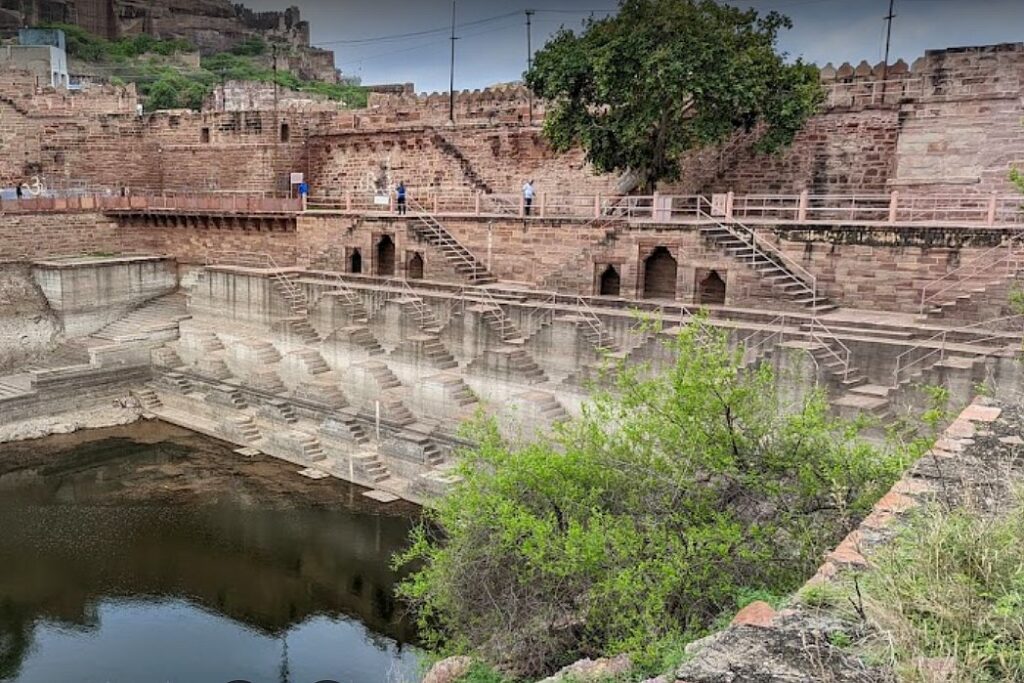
468	171
166	357
148	398
427	228
362	337
310	445
265	380
156	315
382	375
9	389
370	465
432	454
346	423
245	427
311	361
430	348
784	275
525	367
178	382
964	305
416	309
233	396
501	324
957	289
394	410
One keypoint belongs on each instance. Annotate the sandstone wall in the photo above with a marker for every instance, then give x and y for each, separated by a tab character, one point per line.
30	236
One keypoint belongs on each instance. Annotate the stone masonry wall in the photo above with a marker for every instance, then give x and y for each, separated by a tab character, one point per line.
28	236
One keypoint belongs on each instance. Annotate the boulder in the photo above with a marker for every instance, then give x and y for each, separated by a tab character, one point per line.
588	670
448	670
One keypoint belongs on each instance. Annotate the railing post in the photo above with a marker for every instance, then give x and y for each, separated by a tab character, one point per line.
597	205
522	204
801	212
543	204
348	200
894	201
991	219
476	207
728	204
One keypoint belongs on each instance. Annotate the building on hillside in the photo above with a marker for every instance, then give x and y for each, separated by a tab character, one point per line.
211	25
42	53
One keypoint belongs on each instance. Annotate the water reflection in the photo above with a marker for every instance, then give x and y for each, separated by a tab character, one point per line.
94	588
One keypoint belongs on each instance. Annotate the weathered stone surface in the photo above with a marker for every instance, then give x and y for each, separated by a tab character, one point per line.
448	670
757	613
592	670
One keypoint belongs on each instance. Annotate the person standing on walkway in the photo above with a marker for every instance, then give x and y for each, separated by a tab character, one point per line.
527	197
400	194
17	191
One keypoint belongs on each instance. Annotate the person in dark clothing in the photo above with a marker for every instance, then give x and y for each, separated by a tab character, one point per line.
400	194
17	191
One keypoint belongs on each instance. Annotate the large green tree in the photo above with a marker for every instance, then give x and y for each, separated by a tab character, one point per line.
642	521
639	89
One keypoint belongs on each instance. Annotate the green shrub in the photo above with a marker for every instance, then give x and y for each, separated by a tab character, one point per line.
637	525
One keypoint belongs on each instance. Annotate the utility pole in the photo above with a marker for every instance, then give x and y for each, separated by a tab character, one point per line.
529	55
888	36
451	77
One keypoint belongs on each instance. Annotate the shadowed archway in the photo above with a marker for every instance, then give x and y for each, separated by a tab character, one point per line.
414	269
386	256
711	290
660	275
610	282
355	262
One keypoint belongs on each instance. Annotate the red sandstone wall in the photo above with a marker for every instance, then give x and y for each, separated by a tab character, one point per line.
33	236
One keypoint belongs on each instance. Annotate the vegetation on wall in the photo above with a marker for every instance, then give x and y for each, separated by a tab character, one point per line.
639	89
641	523
163	84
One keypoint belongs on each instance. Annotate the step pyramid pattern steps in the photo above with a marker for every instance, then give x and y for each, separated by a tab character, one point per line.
429	348
382	375
166	357
156	315
370	466
149	399
310	445
361	337
311	361
324	393
524	366
345	425
245	427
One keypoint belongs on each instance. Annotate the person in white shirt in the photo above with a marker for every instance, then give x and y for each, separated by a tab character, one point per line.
527	197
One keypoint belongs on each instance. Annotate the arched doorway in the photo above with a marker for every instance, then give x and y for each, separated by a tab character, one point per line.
414	269
711	290
610	283
355	262
386	256
660	275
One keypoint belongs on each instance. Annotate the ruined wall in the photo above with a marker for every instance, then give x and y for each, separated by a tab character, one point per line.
27	325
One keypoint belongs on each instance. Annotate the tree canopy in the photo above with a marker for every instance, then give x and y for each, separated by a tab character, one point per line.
639	89
642	521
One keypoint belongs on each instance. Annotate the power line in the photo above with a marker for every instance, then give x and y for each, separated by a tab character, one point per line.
396	36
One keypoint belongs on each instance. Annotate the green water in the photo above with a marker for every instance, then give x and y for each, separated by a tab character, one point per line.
98	586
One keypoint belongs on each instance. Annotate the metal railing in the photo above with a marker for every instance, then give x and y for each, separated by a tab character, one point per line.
1003	260
933	350
760	248
819	333
961	210
767	336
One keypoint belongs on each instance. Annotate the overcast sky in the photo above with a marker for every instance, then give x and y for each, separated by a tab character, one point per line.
371	39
